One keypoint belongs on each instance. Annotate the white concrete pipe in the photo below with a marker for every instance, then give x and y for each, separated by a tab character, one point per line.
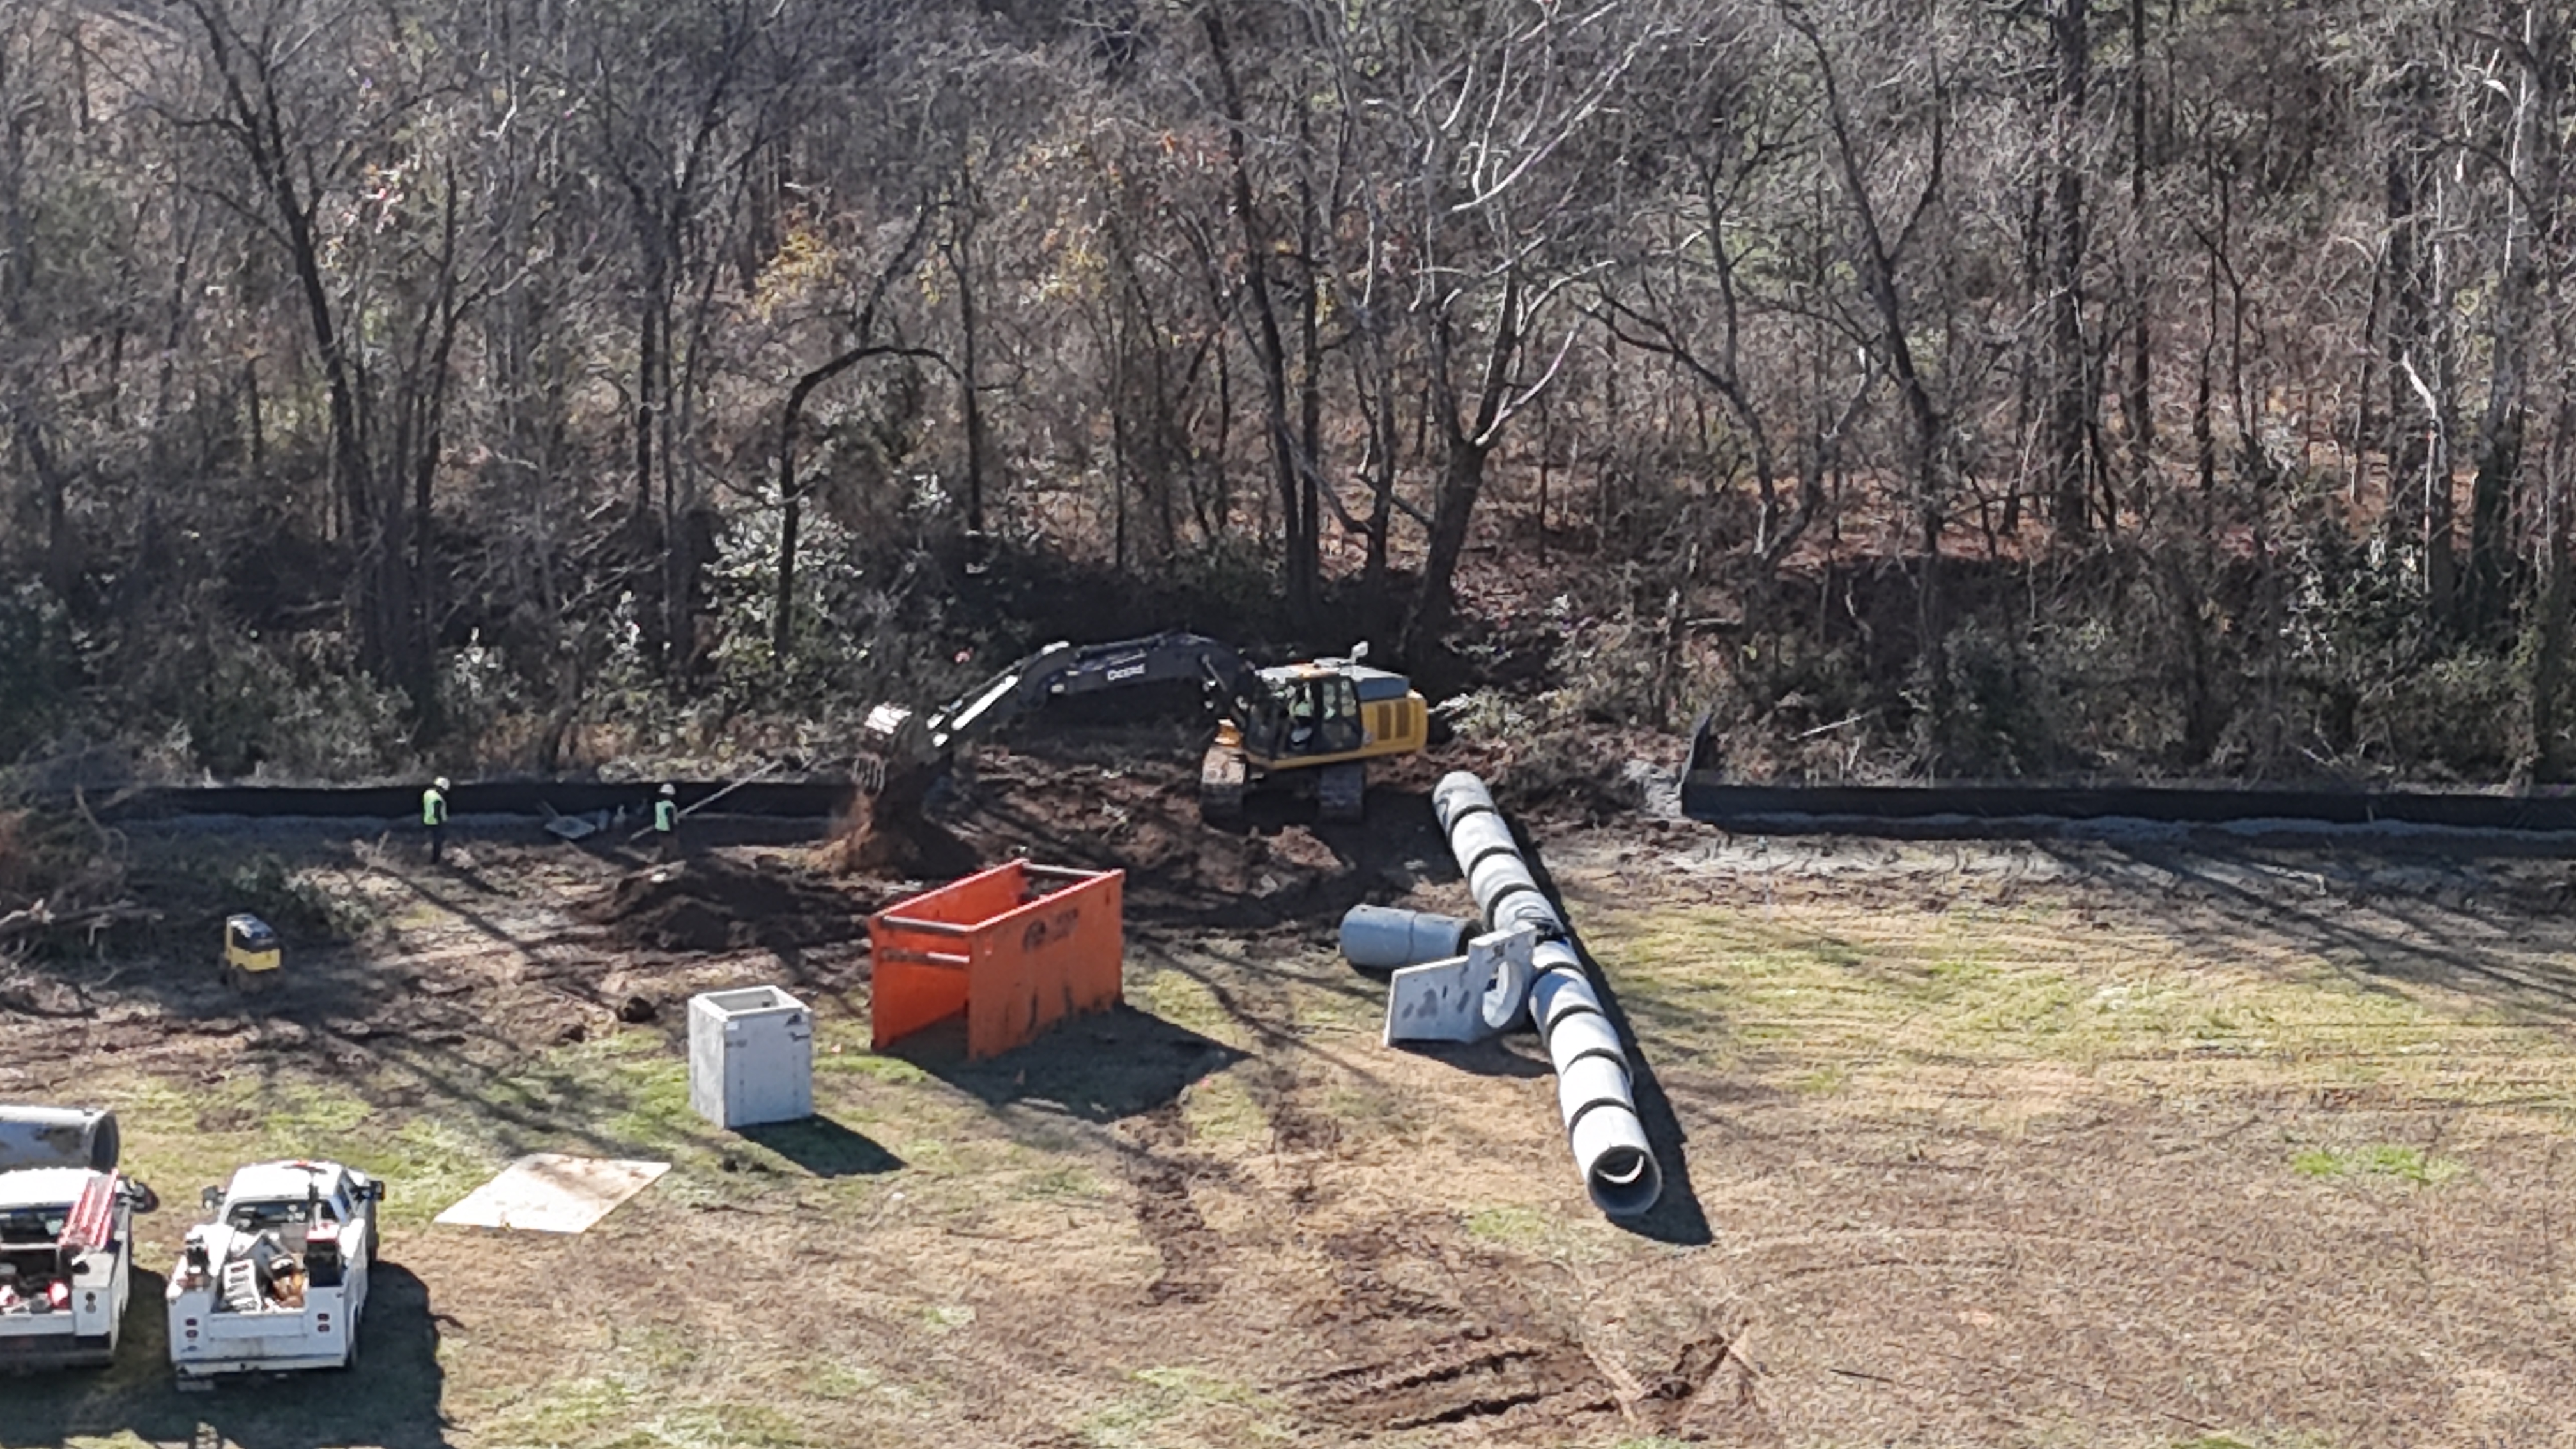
1594	1091
58	1137
1389	938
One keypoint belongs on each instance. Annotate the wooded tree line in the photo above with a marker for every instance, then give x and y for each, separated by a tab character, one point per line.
2016	385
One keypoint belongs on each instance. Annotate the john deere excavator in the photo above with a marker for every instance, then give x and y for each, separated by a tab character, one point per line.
1322	720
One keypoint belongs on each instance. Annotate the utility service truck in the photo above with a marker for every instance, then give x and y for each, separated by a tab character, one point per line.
66	1238
276	1279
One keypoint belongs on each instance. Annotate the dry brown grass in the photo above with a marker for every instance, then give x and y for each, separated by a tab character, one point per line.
2010	1146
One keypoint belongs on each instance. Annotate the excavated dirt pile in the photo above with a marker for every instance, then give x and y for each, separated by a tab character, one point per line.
714	904
888	837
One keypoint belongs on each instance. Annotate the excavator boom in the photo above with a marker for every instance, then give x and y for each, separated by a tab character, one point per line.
898	738
1321	719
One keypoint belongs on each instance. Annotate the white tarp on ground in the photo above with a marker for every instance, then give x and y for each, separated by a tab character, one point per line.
547	1192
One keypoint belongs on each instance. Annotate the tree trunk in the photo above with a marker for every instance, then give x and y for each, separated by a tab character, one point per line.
1462	478
2531	206
961	265
2137	401
1268	345
2070	405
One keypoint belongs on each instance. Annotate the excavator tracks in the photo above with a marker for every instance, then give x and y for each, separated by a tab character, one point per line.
1221	782
1341	791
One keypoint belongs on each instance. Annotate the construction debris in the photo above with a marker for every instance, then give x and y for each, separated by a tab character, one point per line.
712	903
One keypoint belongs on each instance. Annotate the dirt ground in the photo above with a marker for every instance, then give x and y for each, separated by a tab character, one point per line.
2112	1138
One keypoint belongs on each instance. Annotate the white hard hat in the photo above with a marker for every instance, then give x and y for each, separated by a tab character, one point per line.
670	789
440	782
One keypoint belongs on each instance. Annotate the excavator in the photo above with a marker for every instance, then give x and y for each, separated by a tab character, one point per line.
1321	720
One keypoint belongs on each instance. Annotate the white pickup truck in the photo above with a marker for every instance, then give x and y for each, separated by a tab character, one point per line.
277	1278
66	1237
66	1265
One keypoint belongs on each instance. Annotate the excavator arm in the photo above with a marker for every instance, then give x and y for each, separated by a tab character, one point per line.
899	739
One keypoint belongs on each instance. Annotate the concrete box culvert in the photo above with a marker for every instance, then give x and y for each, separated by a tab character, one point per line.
751	1057
1389	938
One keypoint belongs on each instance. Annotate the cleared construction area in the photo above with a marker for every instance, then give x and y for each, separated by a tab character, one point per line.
2101	1140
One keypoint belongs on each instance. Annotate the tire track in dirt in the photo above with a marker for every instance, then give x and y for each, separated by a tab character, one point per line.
1192	1252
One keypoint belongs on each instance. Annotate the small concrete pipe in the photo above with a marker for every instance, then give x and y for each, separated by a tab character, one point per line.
1594	1090
1387	938
58	1137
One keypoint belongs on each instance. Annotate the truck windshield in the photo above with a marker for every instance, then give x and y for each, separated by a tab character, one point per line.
30	1226
260	1217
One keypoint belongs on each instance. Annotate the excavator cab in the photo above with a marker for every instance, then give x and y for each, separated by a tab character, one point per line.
1320	715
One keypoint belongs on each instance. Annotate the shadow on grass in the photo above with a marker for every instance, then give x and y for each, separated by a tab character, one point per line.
1677	1216
1497	1057
824	1147
391	1398
1104	1067
2386	914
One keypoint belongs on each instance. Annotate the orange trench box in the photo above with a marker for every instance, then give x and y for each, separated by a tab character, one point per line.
1016	948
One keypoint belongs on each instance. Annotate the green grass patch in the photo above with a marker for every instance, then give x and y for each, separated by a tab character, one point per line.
717	1426
869	1064
1803	993
2405	1164
1220	1108
1197	1384
1185	1001
1824	1081
569	1413
1169	1396
1518	1227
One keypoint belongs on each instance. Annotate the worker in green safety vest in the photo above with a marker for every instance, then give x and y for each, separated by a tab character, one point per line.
666	823
433	816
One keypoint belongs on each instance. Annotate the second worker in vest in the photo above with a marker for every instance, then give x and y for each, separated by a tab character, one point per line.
666	824
433	816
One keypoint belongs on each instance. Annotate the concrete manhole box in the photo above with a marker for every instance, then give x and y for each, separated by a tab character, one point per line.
751	1057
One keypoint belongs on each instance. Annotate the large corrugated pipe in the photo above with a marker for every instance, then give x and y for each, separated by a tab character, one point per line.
58	1137
1593	1088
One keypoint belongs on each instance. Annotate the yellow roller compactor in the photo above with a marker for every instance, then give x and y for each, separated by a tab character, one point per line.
1320	721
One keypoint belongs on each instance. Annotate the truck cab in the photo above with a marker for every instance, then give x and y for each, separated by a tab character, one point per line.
66	1265
276	1279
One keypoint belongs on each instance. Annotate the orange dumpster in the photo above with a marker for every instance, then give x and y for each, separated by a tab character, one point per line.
1016	948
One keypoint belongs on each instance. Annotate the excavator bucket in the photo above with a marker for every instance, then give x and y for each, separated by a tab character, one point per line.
882	738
